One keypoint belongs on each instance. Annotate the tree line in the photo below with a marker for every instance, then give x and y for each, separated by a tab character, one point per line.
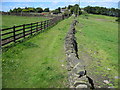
71	9
29	9
102	11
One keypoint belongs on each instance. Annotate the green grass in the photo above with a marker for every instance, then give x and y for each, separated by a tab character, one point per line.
10	21
38	62
102	17
98	37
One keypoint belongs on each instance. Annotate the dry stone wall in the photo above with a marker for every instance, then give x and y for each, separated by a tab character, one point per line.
77	75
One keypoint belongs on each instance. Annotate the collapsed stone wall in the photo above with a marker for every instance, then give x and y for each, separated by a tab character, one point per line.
77	75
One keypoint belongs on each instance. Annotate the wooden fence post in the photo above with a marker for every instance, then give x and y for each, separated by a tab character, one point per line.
47	24
44	25
24	30
50	22
14	33
37	27
41	25
31	28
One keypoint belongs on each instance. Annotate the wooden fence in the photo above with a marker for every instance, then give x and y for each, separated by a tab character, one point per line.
15	33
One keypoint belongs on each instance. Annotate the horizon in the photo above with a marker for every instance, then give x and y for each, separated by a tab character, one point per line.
6	6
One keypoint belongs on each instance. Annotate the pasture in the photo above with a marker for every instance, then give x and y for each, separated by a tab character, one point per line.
97	38
10	21
19	31
38	62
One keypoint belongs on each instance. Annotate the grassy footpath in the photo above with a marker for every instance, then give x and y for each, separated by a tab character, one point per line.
38	62
10	21
97	38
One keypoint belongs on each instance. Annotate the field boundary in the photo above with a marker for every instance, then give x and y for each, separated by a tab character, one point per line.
77	74
28	15
15	33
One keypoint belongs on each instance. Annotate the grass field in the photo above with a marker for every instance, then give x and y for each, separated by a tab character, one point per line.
10	21
38	62
97	38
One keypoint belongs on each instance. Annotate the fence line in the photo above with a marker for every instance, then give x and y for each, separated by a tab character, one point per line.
16	33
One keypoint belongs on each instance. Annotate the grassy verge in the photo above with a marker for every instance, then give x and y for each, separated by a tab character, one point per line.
38	62
97	38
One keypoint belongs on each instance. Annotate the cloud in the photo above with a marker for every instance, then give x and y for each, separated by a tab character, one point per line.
55	2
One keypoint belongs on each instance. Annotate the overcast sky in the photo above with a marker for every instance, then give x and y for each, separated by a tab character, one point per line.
53	4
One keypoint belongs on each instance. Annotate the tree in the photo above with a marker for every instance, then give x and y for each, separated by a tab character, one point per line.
39	10
59	10
66	13
76	9
31	9
15	10
102	11
64	7
25	10
46	10
70	6
19	9
72	10
11	11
